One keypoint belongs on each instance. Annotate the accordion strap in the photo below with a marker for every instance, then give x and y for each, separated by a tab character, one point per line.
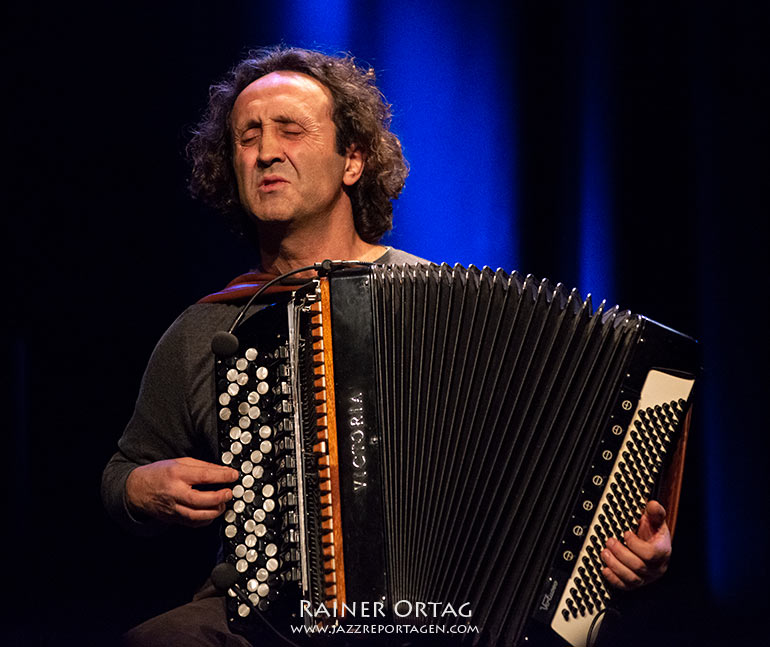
244	286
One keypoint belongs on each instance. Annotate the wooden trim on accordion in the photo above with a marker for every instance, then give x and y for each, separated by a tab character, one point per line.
671	485
334	565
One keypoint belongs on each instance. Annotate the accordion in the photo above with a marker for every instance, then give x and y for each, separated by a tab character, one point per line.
419	438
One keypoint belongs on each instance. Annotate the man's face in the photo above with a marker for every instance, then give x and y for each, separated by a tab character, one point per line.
284	150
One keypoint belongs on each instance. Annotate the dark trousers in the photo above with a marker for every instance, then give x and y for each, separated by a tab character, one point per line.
200	623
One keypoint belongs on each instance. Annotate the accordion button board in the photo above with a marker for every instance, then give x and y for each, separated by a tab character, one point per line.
443	434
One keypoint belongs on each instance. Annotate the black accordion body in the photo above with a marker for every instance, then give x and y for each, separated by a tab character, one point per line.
443	435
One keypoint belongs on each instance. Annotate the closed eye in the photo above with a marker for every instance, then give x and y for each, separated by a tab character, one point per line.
250	136
291	129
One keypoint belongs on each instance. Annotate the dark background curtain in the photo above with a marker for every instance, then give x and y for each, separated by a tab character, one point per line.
618	147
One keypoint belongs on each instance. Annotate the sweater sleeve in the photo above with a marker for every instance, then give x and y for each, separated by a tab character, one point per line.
161	426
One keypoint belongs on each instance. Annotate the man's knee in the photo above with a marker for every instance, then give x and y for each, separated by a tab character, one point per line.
202	623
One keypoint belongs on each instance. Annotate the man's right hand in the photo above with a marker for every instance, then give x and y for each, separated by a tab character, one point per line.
166	491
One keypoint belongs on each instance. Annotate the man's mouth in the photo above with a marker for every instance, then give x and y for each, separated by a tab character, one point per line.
271	183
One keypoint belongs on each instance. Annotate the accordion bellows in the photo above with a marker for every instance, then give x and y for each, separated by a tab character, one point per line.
444	434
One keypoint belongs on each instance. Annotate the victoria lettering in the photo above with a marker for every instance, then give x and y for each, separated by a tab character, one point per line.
357	437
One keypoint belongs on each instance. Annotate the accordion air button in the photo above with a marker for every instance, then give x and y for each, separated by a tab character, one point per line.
261	373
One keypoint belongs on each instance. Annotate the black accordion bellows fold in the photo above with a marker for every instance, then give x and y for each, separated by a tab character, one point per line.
463	437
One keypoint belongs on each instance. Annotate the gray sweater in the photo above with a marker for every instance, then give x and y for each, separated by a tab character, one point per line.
175	414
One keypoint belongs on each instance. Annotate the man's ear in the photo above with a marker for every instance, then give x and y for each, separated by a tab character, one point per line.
354	165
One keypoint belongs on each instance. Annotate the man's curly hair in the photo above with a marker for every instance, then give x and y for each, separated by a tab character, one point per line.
360	114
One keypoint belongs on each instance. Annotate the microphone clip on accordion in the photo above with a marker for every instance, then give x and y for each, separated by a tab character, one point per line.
443	435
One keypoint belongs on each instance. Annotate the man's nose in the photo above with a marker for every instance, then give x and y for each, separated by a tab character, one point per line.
270	149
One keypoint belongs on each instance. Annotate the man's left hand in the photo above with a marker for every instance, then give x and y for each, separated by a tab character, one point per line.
645	555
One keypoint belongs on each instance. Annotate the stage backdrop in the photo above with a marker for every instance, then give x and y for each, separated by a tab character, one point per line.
618	147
